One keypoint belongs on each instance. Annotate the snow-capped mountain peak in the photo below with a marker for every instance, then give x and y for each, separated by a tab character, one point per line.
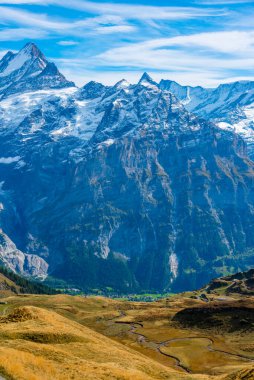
33	50
122	84
147	81
23	60
28	70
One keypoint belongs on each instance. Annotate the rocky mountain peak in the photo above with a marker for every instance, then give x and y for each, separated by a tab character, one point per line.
91	90
22	72
147	81
122	84
32	50
27	61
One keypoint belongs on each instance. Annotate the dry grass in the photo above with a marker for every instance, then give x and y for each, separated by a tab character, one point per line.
68	350
65	337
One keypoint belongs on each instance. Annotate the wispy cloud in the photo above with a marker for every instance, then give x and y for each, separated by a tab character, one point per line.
223	2
17	34
20	2
186	51
204	58
128	11
115	29
209	41
67	43
17	16
136	11
106	24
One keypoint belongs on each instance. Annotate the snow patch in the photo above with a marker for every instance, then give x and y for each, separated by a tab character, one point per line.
244	127
9	160
21	58
109	142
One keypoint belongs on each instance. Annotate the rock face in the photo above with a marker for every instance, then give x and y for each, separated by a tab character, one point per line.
121	186
19	262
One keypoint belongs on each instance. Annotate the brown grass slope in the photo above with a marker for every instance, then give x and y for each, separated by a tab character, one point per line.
65	337
40	344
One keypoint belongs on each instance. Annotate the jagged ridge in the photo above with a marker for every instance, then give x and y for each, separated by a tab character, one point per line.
126	187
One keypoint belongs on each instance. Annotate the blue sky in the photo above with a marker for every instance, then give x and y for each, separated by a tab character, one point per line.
197	42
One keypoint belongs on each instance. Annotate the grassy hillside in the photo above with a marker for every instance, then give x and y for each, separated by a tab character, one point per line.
239	283
72	337
38	343
202	335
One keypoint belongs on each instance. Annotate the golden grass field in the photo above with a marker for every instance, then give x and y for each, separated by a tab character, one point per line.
67	337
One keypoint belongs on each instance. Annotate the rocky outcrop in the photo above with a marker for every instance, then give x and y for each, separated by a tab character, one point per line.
19	262
240	283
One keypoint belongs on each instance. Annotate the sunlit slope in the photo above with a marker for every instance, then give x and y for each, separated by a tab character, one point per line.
181	337
40	344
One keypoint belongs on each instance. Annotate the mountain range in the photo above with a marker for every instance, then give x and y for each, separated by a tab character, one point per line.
131	186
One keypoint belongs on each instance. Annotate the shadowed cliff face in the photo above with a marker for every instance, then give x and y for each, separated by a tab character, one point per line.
162	203
121	186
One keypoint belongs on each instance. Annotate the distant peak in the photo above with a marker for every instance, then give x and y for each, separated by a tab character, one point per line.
30	46
31	49
93	83
122	84
92	90
146	80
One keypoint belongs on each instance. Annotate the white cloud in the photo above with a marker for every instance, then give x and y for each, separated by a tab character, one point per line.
200	58
191	52
223	2
127	11
67	43
17	16
114	29
20	2
103	24
136	11
18	34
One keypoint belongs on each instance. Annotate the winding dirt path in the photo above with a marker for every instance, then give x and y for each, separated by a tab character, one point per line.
209	346
158	346
142	339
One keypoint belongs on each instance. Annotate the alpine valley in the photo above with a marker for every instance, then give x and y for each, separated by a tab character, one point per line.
146	186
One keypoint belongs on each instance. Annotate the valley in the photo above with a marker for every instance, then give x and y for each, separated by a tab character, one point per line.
126	190
195	335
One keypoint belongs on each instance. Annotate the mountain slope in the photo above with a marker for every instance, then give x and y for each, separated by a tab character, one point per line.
178	337
230	106
126	188
29	70
240	283
40	343
12	284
